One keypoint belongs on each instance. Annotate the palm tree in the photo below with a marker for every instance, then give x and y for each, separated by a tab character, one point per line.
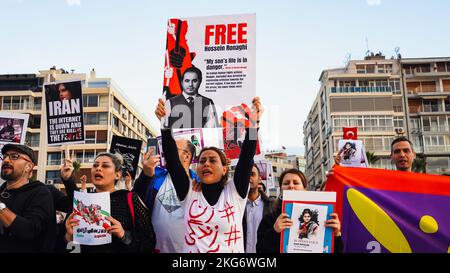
76	166
371	158
420	164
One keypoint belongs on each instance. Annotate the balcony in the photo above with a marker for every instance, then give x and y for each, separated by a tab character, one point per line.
432	109
368	129
424	94
437	149
443	128
429	73
359	89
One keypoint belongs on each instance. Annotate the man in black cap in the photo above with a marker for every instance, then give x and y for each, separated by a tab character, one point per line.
27	215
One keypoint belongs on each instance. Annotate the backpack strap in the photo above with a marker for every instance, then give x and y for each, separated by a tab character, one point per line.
130	205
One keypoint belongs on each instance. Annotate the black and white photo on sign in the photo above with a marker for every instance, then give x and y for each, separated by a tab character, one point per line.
64	108
13	127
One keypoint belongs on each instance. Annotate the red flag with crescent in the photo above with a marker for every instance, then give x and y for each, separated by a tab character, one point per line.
350	133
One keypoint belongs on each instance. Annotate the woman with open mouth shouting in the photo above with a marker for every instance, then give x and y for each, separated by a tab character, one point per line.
130	219
213	215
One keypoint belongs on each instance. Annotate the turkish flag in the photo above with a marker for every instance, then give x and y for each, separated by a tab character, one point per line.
350	133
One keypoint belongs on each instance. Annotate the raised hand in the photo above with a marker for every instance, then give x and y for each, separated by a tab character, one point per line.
150	162
160	111
67	169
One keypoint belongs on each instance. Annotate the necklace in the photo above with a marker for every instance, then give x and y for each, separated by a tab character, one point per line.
5	194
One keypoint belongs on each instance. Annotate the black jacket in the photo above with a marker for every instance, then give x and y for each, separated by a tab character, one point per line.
269	239
34	229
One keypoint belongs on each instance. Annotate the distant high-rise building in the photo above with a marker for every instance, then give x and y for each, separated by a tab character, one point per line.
384	99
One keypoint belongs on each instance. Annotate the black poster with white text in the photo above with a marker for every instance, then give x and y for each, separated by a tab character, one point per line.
130	150
64	103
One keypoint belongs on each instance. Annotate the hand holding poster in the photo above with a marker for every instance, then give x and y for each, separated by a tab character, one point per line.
130	149
64	104
210	66
308	211
92	209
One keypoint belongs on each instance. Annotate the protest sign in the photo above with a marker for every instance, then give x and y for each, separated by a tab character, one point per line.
92	209
130	149
64	107
210	67
308	212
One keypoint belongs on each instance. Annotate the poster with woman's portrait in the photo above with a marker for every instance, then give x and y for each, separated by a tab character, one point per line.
13	127
308	212
64	105
352	153
308	232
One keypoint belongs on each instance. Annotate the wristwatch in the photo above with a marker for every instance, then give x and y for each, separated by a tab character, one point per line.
2	206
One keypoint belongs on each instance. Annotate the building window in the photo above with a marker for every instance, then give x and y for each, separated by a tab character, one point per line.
115	122
436	165
34	122
54	176
431	106
37	104
16	103
116	105
398	122
89	156
103	118
54	158
90	137
90	118
102	136
32	140
98	84
91	101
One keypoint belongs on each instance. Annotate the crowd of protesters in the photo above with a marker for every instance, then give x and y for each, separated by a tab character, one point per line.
169	207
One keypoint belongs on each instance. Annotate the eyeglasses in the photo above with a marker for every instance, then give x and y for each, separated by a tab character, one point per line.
13	156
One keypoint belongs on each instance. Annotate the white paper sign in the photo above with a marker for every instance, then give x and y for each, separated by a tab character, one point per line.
92	209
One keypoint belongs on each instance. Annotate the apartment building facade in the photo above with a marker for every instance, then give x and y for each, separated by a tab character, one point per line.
366	94
107	112
383	98
427	84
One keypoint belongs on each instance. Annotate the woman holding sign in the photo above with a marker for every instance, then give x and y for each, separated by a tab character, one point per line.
269	231
130	220
213	215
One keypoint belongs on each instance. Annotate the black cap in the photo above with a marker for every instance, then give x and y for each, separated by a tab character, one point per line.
21	149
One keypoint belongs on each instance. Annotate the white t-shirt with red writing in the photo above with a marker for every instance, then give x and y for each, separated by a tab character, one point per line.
218	228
